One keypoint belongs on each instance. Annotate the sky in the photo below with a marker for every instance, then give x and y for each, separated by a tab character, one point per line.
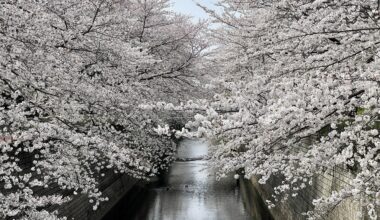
190	8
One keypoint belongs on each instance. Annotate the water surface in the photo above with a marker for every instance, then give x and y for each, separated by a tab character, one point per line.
190	192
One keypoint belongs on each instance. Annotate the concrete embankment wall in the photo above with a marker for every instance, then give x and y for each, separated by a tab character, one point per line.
113	186
253	201
323	185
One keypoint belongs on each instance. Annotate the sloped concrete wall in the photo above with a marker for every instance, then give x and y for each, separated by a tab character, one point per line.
324	185
253	201
114	187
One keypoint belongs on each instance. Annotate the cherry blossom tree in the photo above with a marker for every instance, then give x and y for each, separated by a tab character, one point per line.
301	95
73	74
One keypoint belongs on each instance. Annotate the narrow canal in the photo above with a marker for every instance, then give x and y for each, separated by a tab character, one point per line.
188	192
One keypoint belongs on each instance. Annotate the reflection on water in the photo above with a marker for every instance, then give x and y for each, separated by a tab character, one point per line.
192	149
190	192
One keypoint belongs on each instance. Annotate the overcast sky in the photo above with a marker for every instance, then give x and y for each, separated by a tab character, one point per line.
189	7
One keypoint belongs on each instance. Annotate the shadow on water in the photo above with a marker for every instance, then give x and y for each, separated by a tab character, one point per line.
189	191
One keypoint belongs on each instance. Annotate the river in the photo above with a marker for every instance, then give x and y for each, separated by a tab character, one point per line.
189	191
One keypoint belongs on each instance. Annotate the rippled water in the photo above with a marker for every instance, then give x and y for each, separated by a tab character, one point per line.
190	192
